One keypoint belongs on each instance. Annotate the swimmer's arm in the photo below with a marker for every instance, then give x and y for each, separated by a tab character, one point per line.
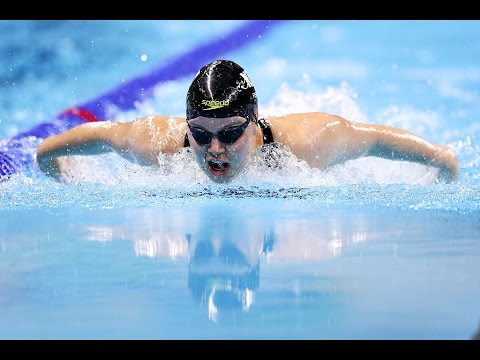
85	139
396	144
131	140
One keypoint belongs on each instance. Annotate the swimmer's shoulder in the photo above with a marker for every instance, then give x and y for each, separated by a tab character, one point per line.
301	123
158	132
159	121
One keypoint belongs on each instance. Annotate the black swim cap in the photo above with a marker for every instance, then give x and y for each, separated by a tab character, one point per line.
222	89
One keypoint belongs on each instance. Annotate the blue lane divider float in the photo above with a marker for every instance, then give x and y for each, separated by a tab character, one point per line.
14	158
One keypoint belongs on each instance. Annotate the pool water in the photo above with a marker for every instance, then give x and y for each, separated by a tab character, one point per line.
371	249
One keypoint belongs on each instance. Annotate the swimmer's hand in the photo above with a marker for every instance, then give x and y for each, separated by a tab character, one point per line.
50	166
47	160
447	163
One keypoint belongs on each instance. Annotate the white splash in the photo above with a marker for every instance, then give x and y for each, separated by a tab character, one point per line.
339	101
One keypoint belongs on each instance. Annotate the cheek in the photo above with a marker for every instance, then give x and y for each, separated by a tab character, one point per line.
198	151
240	152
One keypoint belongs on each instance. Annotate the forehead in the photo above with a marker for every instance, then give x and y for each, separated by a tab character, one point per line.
216	123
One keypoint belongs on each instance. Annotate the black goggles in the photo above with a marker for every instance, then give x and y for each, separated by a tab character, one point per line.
226	136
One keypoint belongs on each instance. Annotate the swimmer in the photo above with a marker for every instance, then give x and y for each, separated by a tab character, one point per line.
223	130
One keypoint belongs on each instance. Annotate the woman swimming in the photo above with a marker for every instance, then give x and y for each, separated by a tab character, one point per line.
223	129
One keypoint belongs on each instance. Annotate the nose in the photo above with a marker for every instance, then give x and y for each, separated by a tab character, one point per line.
216	147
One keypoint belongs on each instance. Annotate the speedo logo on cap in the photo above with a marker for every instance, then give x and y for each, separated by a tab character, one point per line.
214	104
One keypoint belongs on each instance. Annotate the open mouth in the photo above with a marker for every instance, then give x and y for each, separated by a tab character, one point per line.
218	167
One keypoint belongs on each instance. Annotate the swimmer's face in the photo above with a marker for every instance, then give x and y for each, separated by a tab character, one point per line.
222	146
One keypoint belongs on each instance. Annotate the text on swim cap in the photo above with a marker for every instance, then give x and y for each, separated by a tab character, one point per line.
215	104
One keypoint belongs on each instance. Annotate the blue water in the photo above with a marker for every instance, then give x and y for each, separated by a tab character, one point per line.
371	249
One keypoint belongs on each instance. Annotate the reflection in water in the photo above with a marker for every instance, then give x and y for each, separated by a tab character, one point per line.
226	245
225	274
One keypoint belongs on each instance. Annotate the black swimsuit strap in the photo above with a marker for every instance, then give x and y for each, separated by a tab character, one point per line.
186	143
266	130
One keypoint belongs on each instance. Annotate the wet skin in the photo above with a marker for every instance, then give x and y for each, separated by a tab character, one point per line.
223	162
